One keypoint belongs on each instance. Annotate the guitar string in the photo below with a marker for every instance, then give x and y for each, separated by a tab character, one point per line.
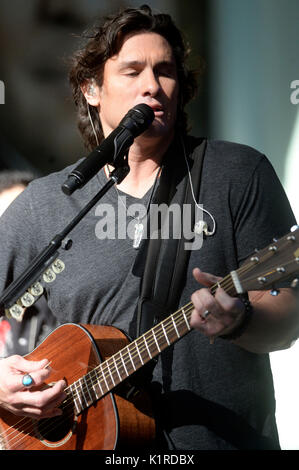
168	322
74	385
44	430
187	308
222	285
125	358
53	427
46	419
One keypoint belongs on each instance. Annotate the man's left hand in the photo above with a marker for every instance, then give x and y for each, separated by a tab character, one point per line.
217	314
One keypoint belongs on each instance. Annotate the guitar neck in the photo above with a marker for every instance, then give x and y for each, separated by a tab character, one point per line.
107	375
110	373
274	263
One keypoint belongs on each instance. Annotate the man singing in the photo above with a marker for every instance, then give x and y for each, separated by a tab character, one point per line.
213	388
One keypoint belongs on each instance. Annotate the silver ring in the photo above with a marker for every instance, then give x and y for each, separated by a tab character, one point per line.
205	314
27	380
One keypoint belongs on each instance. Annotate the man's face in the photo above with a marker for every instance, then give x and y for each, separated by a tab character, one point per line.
144	71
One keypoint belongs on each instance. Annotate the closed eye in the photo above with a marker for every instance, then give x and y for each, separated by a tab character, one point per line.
167	71
132	74
163	69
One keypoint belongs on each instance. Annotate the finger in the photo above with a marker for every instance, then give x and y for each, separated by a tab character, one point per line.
36	413
232	306
54	404
37	378
18	367
24	365
209	327
206	279
212	326
50	409
41	398
27	401
203	300
29	381
18	381
12	383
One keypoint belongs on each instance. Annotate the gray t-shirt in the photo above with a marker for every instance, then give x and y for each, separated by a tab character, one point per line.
207	396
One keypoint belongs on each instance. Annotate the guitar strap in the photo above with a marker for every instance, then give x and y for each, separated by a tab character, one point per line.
167	257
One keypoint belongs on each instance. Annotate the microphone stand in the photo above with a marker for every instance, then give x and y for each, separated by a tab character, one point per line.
12	294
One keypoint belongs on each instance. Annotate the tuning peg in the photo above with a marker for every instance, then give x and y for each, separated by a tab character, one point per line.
294	228
16	312
36	289
275	292
66	244
49	276
281	269
58	266
294	283
27	299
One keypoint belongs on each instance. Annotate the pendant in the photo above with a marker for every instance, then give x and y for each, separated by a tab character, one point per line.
138	235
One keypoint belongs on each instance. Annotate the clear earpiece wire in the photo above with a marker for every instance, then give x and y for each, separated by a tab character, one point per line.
92	125
200	226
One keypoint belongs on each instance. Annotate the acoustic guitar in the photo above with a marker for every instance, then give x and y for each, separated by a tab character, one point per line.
103	409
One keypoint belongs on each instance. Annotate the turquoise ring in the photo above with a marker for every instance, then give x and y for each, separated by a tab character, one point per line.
27	380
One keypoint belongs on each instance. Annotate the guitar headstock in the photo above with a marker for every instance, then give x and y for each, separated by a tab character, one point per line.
34	292
279	261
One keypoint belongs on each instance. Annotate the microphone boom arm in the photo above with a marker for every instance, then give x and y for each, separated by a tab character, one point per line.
13	293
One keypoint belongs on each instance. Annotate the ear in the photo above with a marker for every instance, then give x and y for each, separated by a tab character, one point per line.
91	92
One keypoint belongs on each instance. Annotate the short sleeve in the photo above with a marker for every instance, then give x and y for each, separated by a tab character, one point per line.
19	229
264	212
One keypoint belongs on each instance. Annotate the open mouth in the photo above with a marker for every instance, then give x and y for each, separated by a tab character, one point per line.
158	110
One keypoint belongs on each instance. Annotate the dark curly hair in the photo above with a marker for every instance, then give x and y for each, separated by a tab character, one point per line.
106	41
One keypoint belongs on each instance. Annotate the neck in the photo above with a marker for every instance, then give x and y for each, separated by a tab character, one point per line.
145	158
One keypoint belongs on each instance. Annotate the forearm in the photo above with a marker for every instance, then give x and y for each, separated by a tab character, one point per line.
274	324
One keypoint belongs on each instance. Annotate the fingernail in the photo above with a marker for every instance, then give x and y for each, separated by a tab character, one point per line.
47	365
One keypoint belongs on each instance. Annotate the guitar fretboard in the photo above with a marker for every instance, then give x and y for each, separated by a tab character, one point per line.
106	376
261	270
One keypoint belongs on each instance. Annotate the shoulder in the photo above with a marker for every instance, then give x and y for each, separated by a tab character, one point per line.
51	183
231	160
232	150
44	204
46	192
230	153
224	149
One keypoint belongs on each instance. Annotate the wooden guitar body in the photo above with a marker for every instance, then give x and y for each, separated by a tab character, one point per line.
102	410
109	422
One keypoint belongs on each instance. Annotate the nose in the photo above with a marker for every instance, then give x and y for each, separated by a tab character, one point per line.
150	83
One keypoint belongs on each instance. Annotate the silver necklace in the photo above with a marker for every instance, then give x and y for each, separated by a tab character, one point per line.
139	226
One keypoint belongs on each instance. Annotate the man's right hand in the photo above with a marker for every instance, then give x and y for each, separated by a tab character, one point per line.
34	401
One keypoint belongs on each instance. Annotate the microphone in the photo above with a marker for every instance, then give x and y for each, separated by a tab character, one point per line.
112	149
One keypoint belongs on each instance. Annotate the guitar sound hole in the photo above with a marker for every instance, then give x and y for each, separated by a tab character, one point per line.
55	429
